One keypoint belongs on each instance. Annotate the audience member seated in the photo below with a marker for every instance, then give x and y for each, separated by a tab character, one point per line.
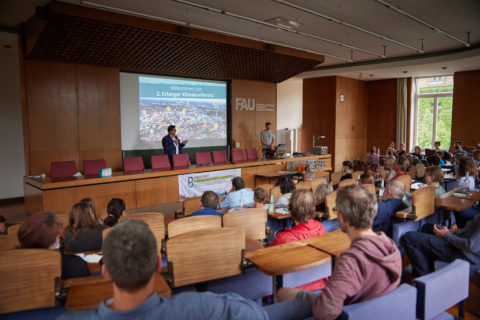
459	149
401	151
401	167
321	193
476	157
347	169
303	214
447	157
417	152
433	161
83	232
370	268
238	195
3	225
444	244
42	231
91	203
286	188
365	178
416	161
440	154
389	168
467	169
130	257
209	206
115	209
392	202
372	157
436	145
391	151
260	198
434	177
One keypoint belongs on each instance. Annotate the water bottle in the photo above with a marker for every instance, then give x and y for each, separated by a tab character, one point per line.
467	182
241	199
271	206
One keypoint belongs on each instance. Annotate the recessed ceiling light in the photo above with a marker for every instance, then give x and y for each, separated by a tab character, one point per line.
285	22
405	71
444	68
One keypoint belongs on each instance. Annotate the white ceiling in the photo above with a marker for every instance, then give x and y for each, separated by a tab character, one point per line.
452	17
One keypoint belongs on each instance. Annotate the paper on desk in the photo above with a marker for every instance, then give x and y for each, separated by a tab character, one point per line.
282	210
90	258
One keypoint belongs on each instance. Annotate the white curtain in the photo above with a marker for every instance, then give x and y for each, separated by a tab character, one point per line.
401	111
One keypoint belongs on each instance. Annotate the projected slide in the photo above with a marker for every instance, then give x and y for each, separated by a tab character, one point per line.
197	108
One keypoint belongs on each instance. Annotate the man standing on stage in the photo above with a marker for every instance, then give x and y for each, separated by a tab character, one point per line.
268	139
171	144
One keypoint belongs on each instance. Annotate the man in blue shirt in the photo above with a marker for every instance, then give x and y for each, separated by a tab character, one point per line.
171	144
392	202
130	261
238	196
209	202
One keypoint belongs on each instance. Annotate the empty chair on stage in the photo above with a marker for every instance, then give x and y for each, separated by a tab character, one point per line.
220	157
181	161
252	154
203	159
133	164
92	167
62	169
238	156
160	162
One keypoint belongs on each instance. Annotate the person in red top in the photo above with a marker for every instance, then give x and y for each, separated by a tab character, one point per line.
401	167
302	209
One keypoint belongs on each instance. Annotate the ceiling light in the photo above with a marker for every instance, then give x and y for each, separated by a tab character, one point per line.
284	22
405	71
444	68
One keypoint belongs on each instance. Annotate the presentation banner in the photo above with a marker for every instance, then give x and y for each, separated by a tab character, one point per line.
195	184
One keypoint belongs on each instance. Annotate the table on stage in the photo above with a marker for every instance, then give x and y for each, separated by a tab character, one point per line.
139	190
89	295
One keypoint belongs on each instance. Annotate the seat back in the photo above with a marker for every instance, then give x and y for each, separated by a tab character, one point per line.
62	169
252	154
28	279
307	185
336	177
268	188
191	205
420	170
314	184
276	192
181	161
356	175
160	162
412	172
346	182
92	167
238	155
220	157
133	164
407	181
202	158
204	255
396	305
195	223
155	222
330	205
442	289
253	221
423	202
370	188
13	230
9	241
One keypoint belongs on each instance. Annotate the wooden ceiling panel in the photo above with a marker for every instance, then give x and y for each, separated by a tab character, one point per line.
75	39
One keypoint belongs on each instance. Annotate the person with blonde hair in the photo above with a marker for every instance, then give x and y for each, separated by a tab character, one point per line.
321	193
434	177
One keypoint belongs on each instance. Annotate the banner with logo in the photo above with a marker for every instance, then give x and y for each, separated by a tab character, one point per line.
195	184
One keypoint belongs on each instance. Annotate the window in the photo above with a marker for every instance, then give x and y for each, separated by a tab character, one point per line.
433	111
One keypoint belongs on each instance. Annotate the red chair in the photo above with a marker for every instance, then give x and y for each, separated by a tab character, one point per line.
203	158
238	156
133	164
220	157
92	167
62	169
252	154
181	161
160	162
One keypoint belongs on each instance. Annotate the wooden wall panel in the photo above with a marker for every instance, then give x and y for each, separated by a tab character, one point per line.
247	124
319	111
156	191
99	115
62	200
466	107
248	175
351	120
51	114
33	198
382	108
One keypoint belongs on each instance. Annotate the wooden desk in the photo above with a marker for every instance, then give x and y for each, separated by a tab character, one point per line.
453	203
274	175
279	260
333	243
89	296
139	190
